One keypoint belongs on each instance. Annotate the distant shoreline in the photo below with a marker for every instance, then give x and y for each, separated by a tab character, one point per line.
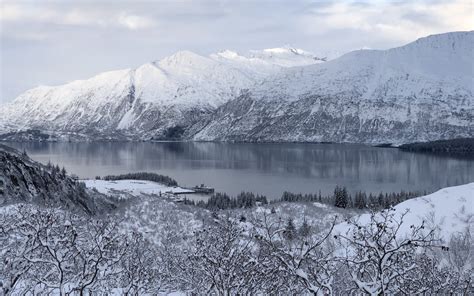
460	146
456	147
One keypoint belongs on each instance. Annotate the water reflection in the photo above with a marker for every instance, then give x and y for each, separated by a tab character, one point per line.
263	168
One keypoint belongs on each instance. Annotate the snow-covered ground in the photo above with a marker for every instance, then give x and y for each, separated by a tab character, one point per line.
132	187
449	211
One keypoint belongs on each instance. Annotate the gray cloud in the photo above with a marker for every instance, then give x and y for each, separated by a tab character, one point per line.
54	42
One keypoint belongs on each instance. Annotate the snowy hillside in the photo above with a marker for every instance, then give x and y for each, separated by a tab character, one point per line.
449	211
421	91
144	101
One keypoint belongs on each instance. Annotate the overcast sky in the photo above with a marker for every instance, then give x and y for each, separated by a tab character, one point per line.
53	42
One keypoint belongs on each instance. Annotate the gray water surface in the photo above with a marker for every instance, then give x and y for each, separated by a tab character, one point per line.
266	169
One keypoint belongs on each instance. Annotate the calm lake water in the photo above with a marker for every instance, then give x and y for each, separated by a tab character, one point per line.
267	169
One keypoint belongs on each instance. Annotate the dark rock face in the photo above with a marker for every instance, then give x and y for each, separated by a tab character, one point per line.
23	180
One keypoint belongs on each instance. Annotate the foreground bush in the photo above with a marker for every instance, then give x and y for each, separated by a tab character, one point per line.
51	251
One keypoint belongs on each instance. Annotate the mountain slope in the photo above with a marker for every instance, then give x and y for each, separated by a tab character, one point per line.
23	180
421	91
143	102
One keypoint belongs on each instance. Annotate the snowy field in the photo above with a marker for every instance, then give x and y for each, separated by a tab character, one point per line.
132	187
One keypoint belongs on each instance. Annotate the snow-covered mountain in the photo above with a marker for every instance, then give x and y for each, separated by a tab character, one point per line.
420	91
144	101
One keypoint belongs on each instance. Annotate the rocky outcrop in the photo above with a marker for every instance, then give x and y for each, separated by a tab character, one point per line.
27	181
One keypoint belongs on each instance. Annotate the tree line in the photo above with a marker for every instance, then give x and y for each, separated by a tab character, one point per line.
341	198
222	201
460	146
143	176
54	169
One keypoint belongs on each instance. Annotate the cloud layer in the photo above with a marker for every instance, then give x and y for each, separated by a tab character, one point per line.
55	42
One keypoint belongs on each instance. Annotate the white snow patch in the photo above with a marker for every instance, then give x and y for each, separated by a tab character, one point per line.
133	187
320	205
449	211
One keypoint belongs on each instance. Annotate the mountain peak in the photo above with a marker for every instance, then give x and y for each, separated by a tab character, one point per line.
287	56
451	41
287	49
183	57
228	54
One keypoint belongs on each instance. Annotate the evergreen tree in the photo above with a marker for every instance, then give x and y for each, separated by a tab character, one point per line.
380	201
359	200
305	229
290	230
372	201
340	197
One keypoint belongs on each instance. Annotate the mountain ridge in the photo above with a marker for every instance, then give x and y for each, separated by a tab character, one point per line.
366	96
416	92
144	100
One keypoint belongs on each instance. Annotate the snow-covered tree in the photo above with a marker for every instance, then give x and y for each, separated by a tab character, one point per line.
221	261
303	264
305	229
290	230
341	199
55	251
378	258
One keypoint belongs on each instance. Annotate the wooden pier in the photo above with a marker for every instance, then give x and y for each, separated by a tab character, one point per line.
202	189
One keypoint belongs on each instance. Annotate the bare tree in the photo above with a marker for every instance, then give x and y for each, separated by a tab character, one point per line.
378	258
55	251
12	248
460	250
102	249
222	260
139	267
306	260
